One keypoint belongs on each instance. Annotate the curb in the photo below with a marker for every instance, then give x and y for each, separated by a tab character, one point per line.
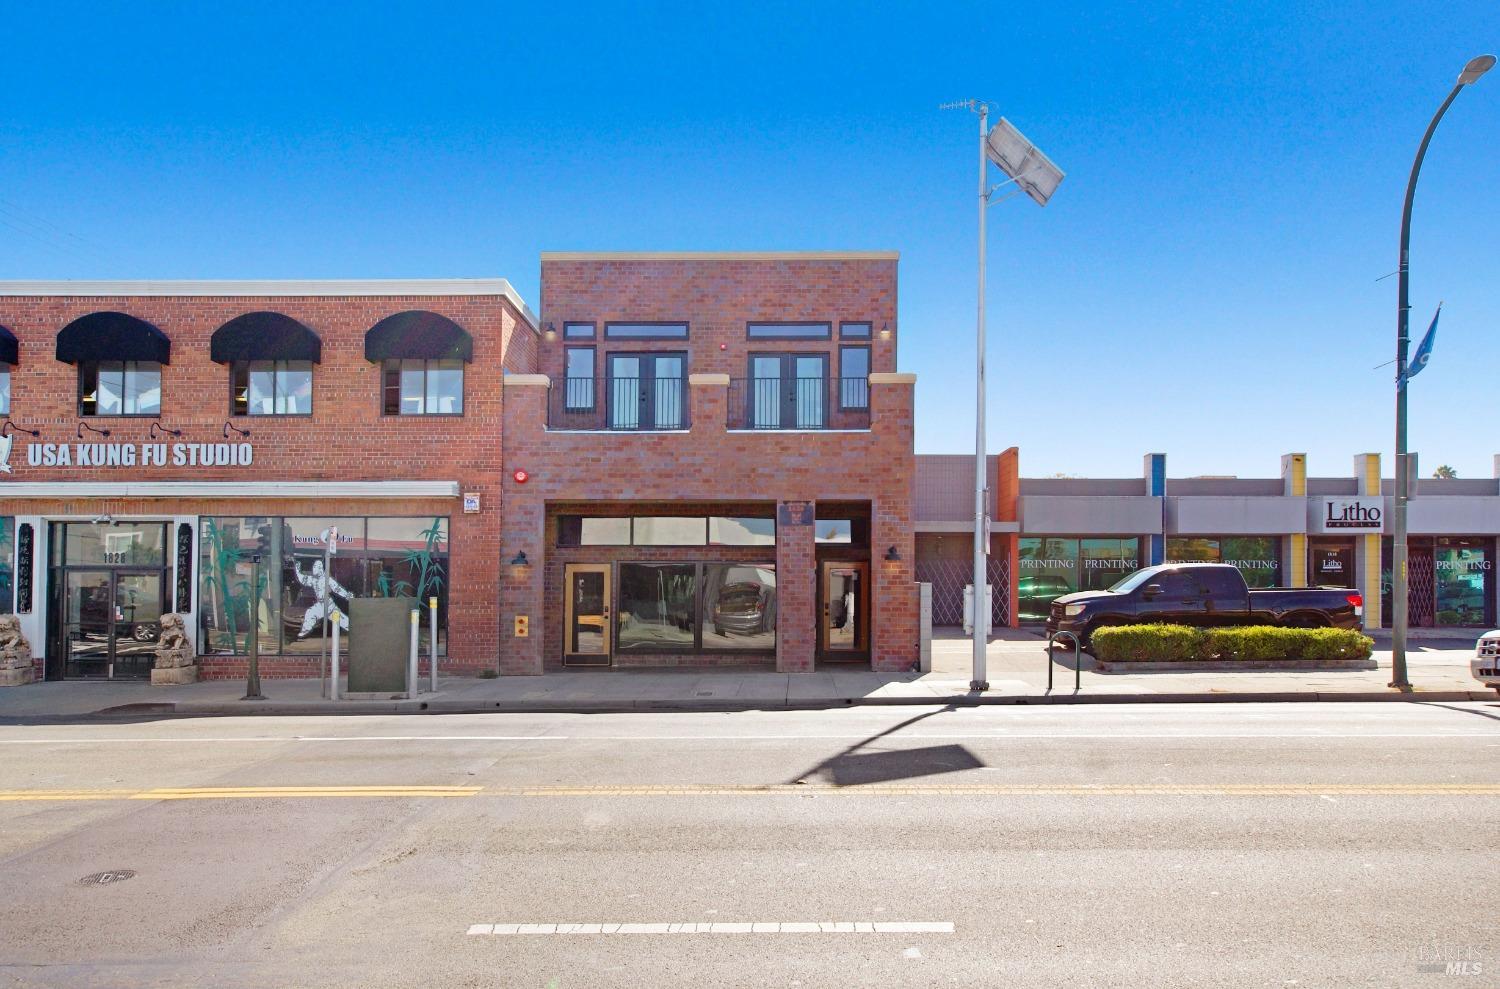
437	706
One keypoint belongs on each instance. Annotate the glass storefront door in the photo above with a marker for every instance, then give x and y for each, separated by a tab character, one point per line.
1332	564
111	623
586	625
844	629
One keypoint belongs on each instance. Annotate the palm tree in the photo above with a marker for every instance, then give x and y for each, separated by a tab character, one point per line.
1445	473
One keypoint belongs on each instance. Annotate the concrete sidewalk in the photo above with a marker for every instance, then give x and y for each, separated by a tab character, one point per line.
1017	675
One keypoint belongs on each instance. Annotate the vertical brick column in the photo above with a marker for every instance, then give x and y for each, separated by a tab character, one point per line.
796	593
708	398
1367	549
523	526
895	625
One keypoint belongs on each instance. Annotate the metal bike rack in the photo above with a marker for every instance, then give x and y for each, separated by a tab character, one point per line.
1077	659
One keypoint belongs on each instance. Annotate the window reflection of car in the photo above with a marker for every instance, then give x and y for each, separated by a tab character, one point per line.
744	608
1036	594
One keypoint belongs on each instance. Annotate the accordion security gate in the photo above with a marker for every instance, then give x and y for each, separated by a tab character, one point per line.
949	578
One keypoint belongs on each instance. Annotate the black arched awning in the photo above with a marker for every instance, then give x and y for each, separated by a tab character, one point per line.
112	336
10	347
418	335
264	336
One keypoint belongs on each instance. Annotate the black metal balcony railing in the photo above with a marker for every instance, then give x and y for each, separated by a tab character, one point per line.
799	403
618	403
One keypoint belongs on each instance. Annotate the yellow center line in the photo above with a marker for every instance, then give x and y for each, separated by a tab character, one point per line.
773	789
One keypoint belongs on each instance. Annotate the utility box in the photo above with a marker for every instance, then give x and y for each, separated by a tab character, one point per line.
969	609
924	624
379	640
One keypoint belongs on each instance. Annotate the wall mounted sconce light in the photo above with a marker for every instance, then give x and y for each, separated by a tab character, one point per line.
11	427
519	560
550	332
885	332
83	425
157	427
229	425
891	556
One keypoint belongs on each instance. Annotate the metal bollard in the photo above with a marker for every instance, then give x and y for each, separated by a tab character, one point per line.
333	687
432	640
413	684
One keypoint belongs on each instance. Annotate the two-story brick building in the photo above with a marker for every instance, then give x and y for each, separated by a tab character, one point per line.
192	447
712	465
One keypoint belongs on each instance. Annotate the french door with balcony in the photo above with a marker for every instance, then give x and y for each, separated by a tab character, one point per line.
647	391
788	391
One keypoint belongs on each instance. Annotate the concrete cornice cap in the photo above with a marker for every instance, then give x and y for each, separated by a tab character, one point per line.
893	378
527	381
708	378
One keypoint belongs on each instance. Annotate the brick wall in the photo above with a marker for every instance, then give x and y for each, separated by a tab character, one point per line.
346	437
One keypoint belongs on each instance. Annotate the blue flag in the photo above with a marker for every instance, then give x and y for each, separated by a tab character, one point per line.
1424	349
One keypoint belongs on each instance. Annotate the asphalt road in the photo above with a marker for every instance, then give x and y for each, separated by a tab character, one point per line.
1151	845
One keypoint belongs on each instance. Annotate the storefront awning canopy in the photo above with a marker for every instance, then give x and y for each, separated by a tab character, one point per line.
112	336
9	347
264	336
418	335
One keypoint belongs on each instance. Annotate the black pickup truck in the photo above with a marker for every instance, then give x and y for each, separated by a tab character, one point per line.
1205	595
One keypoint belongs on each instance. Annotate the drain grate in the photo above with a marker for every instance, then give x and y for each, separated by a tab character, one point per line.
106	878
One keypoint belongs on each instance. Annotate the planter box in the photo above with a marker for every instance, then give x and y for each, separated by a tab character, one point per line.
1283	665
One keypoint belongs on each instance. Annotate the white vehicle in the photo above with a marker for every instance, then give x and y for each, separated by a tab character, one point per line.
1486	661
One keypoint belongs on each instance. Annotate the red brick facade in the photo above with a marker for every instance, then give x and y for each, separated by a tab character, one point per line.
709	467
346	438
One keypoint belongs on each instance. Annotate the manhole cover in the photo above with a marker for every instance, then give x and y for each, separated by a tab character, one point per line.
105	878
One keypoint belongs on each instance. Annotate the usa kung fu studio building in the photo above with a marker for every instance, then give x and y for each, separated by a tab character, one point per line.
190	447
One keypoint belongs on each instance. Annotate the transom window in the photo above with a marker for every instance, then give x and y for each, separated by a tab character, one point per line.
578	331
665	530
646	331
788	331
418	387
857	331
119	388
271	388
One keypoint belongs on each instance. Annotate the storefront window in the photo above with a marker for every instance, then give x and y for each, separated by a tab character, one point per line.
1049	569
1461	573
1258	558
408	558
657	606
7	557
739	601
1102	562
226	572
308	593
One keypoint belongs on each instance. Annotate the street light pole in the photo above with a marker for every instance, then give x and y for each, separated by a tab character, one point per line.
981	602
1399	610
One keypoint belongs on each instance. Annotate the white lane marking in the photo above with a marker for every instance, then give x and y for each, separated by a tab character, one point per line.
1309	735
723	927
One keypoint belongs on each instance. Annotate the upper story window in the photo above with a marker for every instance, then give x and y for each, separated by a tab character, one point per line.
855	331
5	390
646	331
788	331
578	331
119	388
9	356
417	387
422	356
854	377
270	358
119	360
271	388
578	379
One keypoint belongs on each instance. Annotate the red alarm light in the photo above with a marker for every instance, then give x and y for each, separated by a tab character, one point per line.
521	477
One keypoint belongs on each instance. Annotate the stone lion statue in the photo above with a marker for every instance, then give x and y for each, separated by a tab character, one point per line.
15	653
176	659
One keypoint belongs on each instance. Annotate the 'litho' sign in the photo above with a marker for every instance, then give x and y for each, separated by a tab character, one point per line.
135	455
1345	514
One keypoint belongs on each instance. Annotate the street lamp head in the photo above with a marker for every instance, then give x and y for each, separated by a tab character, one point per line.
1477	67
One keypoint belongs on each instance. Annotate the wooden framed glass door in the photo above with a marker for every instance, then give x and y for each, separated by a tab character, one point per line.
844	624
586	614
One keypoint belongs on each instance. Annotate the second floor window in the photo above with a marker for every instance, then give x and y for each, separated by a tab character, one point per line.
271	388
119	388
578	379
418	387
4	391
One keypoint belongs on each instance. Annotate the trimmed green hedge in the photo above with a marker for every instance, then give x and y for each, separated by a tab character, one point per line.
1249	643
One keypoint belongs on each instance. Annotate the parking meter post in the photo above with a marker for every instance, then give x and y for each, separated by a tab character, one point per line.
413	685
1077	665
333	666
252	678
432	641
1050	640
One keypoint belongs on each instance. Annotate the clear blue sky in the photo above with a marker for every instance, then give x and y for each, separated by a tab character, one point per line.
1204	283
